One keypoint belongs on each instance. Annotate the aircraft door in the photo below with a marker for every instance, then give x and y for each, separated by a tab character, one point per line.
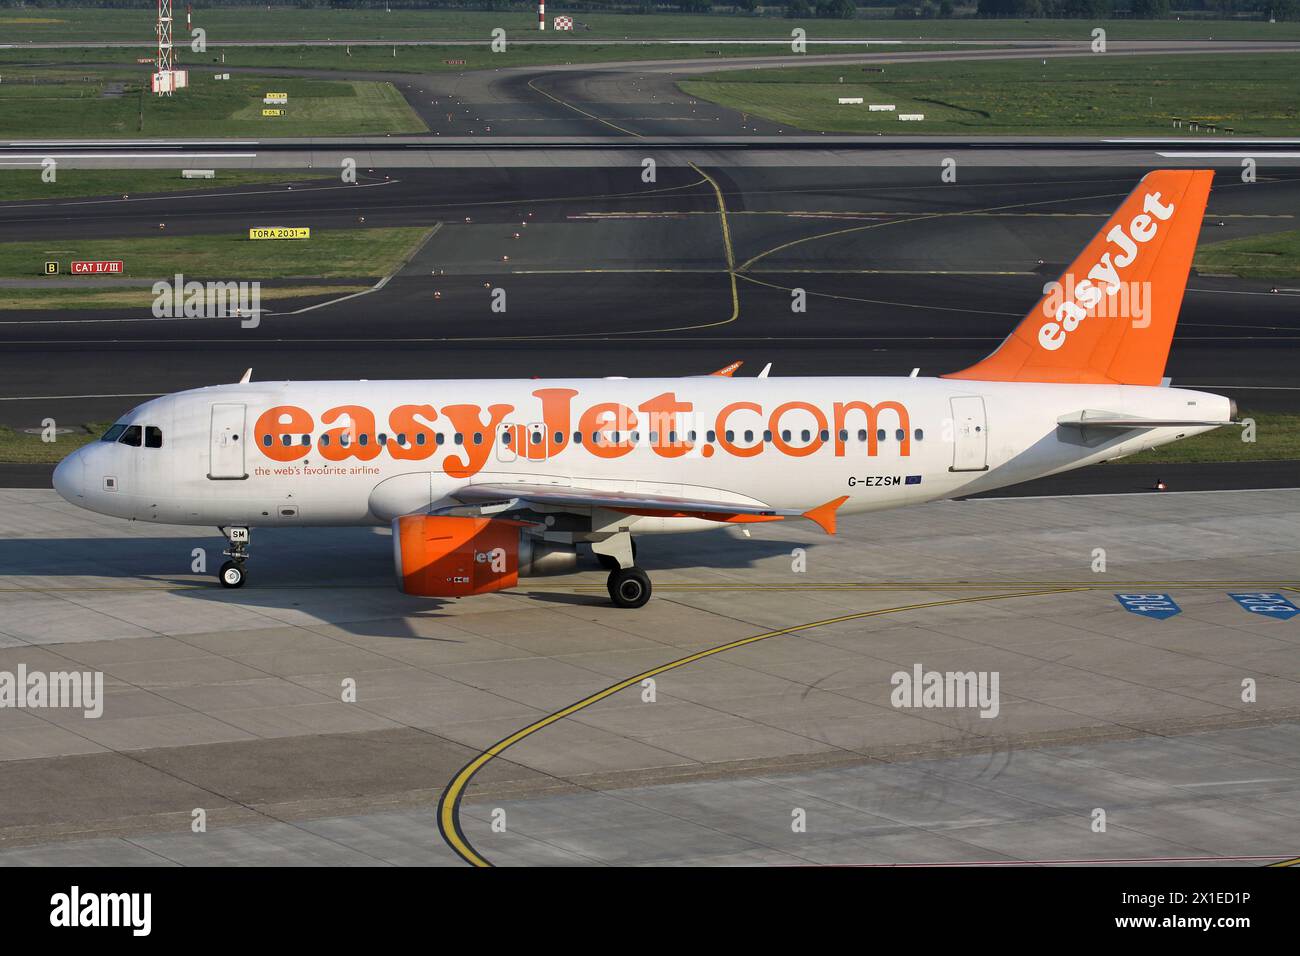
969	434
509	437
539	441
226	443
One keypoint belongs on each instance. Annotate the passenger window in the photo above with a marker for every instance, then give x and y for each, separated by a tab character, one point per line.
306	441
900	435
505	437
383	440
325	440
920	434
152	436
805	435
711	435
767	435
862	434
844	435
785	434
131	436
266	440
825	435
363	439
731	436
559	438
880	434
577	438
285	440
478	438
114	433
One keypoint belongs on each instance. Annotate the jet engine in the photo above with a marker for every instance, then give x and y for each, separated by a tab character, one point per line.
445	556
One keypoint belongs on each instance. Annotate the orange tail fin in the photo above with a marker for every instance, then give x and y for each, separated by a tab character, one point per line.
1110	318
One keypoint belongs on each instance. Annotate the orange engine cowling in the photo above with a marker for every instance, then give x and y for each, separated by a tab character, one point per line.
440	556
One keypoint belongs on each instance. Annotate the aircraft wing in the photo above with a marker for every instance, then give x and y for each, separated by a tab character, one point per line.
665	506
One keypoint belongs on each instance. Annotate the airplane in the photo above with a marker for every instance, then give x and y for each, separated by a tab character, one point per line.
486	481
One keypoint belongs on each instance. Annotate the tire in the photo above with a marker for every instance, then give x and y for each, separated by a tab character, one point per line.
231	575
629	587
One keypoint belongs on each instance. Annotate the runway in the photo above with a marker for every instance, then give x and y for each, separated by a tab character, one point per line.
771	693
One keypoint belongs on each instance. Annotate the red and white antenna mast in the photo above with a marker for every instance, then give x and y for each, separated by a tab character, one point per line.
166	78
166	61
541	14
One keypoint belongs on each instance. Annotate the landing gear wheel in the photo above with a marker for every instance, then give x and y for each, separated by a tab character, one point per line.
610	563
629	587
231	575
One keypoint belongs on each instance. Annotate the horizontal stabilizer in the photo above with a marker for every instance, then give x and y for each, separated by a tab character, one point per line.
1091	419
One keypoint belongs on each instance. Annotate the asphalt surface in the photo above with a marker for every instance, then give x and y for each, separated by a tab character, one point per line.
615	276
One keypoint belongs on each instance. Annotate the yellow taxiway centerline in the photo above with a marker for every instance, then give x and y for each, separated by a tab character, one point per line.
448	813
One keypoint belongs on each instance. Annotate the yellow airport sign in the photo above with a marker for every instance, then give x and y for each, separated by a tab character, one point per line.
273	112
51	268
279	232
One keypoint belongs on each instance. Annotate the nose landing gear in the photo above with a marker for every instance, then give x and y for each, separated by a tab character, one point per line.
231	574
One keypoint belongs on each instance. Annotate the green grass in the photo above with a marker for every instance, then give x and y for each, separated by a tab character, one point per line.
16	184
329	254
18	447
1256	95
65	299
259	23
1277	437
1272	256
71	103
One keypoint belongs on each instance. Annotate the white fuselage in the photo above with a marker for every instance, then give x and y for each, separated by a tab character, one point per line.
256	454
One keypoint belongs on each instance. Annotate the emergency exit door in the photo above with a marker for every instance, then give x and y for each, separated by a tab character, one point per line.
226	443
970	434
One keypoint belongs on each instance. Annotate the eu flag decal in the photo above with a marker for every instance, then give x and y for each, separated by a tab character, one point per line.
1158	606
1265	604
913	479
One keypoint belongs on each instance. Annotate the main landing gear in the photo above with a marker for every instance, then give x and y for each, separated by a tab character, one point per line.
628	585
231	574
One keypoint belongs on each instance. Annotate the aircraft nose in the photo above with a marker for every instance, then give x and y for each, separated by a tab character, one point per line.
68	478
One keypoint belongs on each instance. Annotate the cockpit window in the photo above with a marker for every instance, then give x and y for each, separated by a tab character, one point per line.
152	436
131	436
114	433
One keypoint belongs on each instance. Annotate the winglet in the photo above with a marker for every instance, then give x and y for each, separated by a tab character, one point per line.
246	377
824	515
729	370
